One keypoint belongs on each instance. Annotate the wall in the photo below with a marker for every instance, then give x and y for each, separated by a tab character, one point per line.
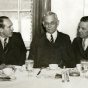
69	13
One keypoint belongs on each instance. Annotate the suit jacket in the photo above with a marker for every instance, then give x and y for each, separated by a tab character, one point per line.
64	44
16	53
78	50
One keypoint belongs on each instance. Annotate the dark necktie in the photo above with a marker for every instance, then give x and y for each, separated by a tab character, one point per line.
52	40
5	45
83	44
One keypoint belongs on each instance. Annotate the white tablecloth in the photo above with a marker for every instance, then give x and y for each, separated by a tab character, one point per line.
25	81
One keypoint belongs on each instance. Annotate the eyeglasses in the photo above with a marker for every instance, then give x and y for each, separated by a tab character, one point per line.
52	23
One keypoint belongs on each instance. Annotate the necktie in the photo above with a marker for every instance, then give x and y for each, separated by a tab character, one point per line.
83	44
52	40
5	45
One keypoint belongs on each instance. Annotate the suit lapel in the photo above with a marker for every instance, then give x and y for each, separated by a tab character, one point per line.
9	44
13	47
1	47
2	54
61	47
80	47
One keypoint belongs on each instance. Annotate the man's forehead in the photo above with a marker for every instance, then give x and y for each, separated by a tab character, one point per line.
83	23
50	17
7	22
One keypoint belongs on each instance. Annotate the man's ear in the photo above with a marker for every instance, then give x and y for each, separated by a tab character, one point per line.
43	23
1	30
57	22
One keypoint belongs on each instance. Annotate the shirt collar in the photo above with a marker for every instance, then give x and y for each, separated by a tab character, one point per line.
2	39
48	35
86	43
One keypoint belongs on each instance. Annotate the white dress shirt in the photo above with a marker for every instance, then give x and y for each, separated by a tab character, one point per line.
48	36
2	40
86	43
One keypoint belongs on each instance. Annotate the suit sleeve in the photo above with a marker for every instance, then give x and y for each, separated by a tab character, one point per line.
22	50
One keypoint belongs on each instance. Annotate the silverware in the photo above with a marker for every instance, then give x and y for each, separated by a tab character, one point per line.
40	70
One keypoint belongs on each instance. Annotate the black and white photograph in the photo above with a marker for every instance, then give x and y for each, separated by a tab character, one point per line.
43	43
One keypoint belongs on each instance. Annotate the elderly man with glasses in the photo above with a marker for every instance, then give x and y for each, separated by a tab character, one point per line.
51	47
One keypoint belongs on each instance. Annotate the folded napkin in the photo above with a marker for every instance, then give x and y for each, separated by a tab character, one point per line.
49	73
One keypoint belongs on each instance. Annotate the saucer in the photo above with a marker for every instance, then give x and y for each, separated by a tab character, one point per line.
12	78
7	78
4	77
74	74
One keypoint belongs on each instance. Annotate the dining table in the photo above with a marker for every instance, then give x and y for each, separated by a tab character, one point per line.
25	79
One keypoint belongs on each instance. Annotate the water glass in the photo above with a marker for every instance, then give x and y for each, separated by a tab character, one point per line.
29	66
79	67
84	64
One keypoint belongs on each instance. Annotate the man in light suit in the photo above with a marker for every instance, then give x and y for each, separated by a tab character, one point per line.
53	46
12	48
80	43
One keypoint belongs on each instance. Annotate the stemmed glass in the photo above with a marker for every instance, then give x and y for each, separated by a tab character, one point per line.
29	66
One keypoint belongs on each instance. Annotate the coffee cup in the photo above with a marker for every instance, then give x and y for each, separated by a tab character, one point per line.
53	66
8	71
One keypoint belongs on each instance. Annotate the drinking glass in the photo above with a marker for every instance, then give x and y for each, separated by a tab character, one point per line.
84	64
29	66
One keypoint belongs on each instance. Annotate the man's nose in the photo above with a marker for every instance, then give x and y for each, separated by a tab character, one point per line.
12	29
80	29
49	25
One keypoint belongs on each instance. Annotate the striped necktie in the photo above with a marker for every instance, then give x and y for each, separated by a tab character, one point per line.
5	45
52	40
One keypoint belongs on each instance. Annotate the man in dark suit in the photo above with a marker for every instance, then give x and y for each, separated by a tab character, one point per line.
80	43
53	46
12	48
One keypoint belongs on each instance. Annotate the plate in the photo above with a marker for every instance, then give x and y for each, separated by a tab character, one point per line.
53	69
4	77
7	78
74	72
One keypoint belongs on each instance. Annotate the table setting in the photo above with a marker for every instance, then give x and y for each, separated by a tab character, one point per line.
7	72
49	77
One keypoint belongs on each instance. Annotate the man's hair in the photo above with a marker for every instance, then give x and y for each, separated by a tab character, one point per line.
1	21
48	14
84	19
